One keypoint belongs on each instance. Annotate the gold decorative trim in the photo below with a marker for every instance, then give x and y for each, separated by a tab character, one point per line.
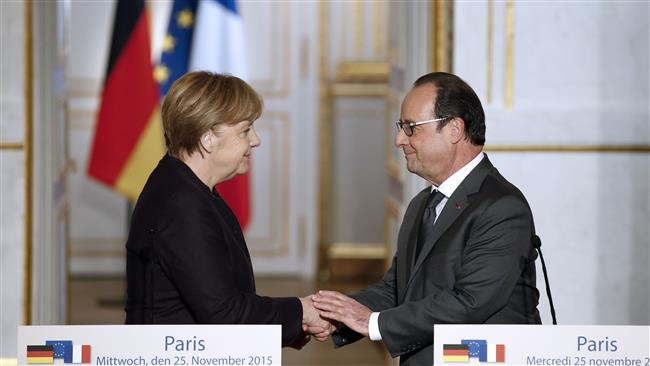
440	24
11	146
375	72
510	44
358	90
28	161
357	251
570	148
490	50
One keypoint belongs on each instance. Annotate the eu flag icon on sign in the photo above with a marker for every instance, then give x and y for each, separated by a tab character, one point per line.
62	349
477	348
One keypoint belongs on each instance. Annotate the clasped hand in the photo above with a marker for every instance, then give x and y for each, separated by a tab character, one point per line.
326	311
312	323
342	309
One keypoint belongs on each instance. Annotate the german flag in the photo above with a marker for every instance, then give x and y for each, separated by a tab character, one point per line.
128	136
455	353
40	354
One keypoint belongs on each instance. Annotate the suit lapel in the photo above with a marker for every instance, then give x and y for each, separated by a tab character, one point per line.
455	205
407	240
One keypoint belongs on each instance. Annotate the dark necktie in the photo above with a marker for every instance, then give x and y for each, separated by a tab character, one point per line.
428	219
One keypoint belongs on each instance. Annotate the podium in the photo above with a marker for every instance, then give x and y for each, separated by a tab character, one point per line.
574	345
178	345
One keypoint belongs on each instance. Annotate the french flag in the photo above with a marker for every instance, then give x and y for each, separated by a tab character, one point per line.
218	45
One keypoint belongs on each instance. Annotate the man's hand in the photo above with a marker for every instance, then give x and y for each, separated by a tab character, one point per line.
336	306
312	323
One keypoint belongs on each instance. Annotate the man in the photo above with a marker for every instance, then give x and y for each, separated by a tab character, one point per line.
464	252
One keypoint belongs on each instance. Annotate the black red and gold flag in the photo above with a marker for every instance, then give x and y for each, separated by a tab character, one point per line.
128	138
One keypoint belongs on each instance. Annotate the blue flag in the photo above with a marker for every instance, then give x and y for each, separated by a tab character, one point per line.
207	35
201	35
477	348
175	56
62	349
219	43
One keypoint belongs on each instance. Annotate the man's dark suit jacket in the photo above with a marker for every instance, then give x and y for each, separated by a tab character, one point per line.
478	267
187	261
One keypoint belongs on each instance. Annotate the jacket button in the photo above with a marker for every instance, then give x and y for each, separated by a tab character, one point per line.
152	231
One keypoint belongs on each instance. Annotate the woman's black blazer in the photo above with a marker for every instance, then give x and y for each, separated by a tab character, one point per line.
187	260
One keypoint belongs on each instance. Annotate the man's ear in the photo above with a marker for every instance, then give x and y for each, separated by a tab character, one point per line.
457	129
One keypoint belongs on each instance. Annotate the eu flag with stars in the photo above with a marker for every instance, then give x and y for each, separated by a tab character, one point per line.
207	35
175	58
62	349
477	348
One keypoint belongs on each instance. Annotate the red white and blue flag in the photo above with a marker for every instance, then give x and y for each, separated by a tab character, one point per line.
58	349
473	348
207	35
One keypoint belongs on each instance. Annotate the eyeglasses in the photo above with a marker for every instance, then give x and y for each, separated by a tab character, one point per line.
407	127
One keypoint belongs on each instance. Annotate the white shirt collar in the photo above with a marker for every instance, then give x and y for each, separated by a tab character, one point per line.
450	184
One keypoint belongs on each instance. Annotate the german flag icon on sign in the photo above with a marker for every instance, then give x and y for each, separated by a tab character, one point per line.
455	353
40	354
67	351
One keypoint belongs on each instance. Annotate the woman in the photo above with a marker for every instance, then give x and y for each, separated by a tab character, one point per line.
187	261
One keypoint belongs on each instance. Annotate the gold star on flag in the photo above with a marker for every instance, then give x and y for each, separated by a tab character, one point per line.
161	74
168	43
185	18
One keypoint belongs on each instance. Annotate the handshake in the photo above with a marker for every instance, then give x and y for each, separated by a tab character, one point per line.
326	311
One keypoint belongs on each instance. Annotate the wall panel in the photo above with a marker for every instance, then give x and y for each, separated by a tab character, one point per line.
574	135
281	67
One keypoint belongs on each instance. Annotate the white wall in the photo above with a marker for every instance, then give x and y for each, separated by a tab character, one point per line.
33	219
12	188
580	80
282	47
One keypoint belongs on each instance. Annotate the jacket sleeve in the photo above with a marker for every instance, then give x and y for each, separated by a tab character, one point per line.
377	297
194	254
493	259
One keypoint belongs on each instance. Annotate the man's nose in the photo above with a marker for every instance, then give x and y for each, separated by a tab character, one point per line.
400	138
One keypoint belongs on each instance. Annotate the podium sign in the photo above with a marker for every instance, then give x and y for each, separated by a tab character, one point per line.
177	345
547	345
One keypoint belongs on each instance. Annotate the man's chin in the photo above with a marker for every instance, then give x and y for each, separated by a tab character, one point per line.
411	168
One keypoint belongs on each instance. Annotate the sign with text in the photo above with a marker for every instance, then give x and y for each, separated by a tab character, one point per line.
546	345
177	345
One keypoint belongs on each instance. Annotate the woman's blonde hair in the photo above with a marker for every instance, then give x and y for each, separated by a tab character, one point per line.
199	101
